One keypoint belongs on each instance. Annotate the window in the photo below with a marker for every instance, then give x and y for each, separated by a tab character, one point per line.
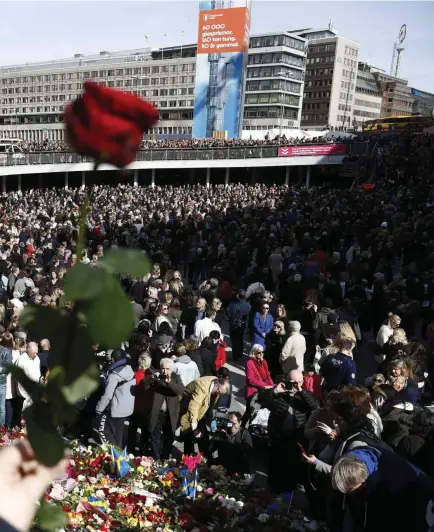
94	73
163	81
163	104
154	81
119	83
172	92
182	103
155	70
182	91
102	73
119	72
173	68
154	92
172	103
128	71
111	73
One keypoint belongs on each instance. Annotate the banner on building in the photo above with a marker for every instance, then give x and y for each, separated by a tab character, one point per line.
312	149
221	64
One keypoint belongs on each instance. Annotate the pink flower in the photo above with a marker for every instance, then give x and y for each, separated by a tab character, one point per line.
209	491
57	493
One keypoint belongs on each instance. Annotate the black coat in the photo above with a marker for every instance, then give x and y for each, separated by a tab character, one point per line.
161	390
138	292
195	357
189	318
208	362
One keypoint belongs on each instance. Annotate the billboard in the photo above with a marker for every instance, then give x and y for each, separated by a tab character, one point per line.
221	63
312	149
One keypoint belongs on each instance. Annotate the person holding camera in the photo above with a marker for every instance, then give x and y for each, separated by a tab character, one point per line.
233	445
199	396
165	388
290	407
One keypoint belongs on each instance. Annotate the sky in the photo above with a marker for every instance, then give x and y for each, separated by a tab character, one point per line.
41	30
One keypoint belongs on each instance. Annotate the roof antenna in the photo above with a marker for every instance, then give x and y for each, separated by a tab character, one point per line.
330	24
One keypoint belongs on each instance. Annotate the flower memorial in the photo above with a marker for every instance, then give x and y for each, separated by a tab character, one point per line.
150	496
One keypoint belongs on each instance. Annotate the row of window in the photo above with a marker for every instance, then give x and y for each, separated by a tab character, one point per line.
176	103
262	59
367	114
366	103
324	59
39	109
347	85
351	51
343	107
350	62
308	106
273	85
319	72
319	83
322	48
120	72
319	94
274	97
344	118
266	72
315	118
269	112
348	74
346	96
277	40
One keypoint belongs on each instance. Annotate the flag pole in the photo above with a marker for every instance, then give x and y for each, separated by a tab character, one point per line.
182	38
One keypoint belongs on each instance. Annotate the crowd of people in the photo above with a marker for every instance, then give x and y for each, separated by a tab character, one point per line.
327	298
48	145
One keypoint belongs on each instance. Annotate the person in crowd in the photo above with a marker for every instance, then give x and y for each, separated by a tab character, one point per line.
401	367
30	364
396	346
386	330
6	345
165	389
199	396
274	345
320	426
12	409
233	446
190	316
290	407
281	314
117	402
339	369
161	348
207	324
419	362
312	382
238	312
292	355
162	316
184	366
44	356
257	374
208	356
224	402
174	317
418	445
262	325
193	351
139	418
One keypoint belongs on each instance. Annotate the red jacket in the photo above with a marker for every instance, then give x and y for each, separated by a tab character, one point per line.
312	383
221	355
140	403
257	376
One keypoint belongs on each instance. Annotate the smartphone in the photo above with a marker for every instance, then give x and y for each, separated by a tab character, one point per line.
302	449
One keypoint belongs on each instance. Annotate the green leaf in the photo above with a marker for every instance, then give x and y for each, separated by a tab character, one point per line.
110	316
126	261
42	322
43	436
84	282
50	517
83	386
34	389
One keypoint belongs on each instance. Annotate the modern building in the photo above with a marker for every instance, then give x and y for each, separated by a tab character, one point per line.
331	72
397	99
33	96
423	103
367	98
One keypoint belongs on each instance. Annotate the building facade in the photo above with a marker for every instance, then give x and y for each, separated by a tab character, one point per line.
367	98
423	103
331	71
397	99
33	96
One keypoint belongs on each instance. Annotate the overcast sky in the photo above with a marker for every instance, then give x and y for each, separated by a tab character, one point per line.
39	30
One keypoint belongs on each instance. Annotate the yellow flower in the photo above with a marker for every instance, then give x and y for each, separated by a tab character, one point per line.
140	469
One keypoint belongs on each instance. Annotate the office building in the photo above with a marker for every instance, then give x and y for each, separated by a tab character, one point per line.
33	96
367	98
331	71
423	103
396	94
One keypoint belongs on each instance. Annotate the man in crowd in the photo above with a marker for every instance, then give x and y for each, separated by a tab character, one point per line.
238	312
30	364
204	326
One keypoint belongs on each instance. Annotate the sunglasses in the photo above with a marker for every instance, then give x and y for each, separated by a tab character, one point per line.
265	308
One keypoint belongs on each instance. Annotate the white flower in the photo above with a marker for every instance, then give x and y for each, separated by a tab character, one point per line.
199	488
100	494
81	478
131	457
263	518
72	462
149	502
93	480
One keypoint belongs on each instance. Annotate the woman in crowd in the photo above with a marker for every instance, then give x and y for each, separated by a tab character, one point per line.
339	369
262	325
386	330
274	345
174	317
402	367
17	347
139	419
321	425
395	347
419	361
257	374
281	314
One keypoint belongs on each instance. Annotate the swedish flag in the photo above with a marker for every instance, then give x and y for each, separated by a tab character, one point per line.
97	503
189	485
120	465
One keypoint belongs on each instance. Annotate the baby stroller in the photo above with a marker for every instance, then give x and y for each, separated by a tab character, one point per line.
258	422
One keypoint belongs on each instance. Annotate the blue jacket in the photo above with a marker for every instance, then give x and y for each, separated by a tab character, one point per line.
338	370
261	326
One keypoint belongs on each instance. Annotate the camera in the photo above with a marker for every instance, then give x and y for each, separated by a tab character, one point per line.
220	420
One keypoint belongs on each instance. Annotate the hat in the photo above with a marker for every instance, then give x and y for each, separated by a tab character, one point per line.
163	339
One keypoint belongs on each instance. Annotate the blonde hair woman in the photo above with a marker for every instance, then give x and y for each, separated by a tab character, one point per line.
333	348
386	330
347	331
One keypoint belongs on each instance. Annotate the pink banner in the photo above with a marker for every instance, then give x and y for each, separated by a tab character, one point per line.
312	149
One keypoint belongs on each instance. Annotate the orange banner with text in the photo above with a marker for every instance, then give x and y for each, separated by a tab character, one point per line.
222	30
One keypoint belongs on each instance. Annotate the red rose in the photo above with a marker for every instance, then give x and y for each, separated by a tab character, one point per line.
107	124
186	521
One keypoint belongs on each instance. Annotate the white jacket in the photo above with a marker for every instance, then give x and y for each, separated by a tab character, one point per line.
292	355
203	327
383	335
32	369
186	369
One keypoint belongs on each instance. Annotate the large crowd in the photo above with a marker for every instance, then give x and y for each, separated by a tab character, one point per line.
327	298
32	146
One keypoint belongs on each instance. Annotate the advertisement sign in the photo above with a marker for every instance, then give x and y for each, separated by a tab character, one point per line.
221	63
312	149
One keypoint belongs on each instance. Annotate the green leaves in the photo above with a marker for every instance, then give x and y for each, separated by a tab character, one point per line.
84	282
82	386
44	438
110	316
50	517
126	261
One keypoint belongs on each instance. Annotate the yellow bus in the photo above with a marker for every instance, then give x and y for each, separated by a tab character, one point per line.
398	124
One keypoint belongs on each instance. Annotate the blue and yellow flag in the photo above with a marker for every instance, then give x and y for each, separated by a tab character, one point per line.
189	485
120	465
